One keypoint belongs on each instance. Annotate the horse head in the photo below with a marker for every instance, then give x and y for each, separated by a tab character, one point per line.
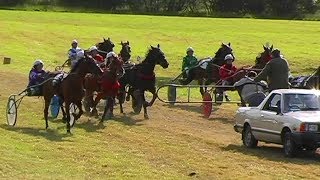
125	51
117	66
221	53
156	56
264	57
106	46
86	65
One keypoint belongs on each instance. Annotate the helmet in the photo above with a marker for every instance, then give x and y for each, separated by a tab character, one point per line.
110	54
93	48
37	62
229	56
190	49
74	41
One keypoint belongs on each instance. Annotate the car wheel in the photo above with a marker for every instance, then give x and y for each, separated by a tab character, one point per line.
289	146
248	139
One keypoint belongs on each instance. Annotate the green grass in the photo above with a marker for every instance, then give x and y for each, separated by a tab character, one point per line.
176	140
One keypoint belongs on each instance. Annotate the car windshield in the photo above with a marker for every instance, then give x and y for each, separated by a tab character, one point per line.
301	102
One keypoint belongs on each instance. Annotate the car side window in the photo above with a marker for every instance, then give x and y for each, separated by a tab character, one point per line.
273	102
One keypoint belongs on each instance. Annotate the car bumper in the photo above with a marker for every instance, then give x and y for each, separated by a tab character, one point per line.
310	140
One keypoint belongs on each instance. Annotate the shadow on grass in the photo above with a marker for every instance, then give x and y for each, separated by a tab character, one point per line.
191	108
274	154
49	134
222	120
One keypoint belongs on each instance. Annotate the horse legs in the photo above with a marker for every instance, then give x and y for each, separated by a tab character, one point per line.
108	110
95	103
121	98
202	90
145	105
88	100
62	109
67	104
79	105
46	108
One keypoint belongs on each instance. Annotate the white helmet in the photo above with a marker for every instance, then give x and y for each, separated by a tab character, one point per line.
37	62
74	41
93	48
110	54
228	57
190	49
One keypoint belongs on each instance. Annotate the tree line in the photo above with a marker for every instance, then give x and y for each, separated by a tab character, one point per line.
276	8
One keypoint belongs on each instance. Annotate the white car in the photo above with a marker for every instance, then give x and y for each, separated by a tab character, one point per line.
290	117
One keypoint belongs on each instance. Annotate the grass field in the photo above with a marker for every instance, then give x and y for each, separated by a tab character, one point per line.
177	140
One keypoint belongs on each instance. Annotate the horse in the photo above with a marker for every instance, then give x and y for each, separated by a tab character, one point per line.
109	87
142	78
90	83
263	58
71	88
105	47
207	70
125	52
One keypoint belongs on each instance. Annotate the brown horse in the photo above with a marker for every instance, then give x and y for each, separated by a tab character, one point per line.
91	81
109	87
71	88
207	70
263	58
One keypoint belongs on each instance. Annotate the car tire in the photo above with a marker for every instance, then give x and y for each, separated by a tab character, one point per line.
248	139
289	146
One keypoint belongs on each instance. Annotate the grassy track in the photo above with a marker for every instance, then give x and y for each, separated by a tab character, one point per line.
176	140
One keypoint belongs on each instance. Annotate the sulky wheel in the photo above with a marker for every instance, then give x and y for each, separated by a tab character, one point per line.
11	111
54	106
172	94
73	110
207	104
137	101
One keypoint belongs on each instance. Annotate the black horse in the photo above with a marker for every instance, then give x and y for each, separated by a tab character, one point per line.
141	78
207	70
105	47
125	52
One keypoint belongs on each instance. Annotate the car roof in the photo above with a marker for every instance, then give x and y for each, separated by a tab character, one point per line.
297	91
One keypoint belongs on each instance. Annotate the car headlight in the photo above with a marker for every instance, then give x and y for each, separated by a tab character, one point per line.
309	127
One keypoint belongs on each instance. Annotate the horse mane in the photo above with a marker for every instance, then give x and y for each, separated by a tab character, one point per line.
148	55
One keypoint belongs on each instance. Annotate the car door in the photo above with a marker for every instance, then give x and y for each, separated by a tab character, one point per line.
268	120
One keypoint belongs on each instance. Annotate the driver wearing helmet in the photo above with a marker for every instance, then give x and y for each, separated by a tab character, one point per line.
226	73
189	61
110	57
93	51
36	76
75	53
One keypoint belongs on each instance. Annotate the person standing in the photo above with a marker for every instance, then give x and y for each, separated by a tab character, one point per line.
276	72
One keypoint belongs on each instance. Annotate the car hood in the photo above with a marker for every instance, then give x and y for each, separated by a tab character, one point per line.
306	116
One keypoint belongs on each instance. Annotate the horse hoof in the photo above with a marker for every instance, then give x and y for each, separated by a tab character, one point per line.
68	131
146	116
